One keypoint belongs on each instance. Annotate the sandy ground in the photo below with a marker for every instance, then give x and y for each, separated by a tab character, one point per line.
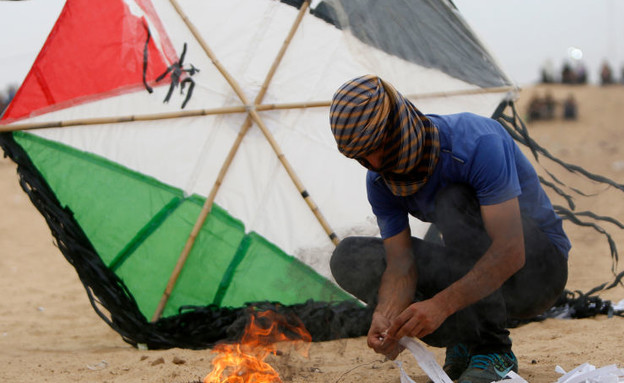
50	333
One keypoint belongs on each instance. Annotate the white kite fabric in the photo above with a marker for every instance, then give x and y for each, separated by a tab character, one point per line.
588	373
430	366
585	373
425	360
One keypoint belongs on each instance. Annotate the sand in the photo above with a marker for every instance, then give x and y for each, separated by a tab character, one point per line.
50	333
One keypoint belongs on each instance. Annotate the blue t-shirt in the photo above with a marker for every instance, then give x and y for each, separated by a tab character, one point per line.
476	151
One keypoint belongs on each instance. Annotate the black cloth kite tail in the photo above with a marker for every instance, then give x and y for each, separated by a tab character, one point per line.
516	125
574	305
600	218
559	191
517	129
571	216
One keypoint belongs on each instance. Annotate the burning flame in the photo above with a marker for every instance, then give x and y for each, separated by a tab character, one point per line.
244	362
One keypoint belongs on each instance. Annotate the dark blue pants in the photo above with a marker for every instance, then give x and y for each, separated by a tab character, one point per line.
358	263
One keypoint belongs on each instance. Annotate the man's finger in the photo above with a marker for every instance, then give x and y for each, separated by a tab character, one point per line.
408	327
395	352
397	324
388	347
411	328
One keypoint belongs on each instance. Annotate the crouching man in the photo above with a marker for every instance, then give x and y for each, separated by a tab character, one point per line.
503	252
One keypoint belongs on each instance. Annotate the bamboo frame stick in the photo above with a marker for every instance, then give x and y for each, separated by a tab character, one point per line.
207	207
462	92
421	96
224	110
116	120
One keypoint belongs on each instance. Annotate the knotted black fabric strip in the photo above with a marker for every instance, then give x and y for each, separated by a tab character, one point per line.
518	130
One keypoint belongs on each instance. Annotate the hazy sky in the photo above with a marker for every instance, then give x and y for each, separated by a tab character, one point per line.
522	34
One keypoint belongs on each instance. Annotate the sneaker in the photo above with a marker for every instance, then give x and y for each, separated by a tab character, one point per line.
487	368
456	361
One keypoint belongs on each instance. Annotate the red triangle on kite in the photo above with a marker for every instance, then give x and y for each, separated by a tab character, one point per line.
96	47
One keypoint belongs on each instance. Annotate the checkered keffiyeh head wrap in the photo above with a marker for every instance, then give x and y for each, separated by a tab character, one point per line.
368	114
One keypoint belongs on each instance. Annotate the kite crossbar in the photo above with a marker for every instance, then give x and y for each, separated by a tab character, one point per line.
122	119
223	110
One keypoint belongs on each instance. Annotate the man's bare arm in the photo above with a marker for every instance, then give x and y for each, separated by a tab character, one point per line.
396	292
398	282
503	258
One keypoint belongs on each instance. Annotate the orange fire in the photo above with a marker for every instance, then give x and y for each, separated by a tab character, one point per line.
244	362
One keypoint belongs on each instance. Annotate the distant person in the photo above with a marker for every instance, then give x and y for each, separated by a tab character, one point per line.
570	109
568	76
5	98
548	73
581	74
3	104
549	106
606	75
504	252
535	108
542	108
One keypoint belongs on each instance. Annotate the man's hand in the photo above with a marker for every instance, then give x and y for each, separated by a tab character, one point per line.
396	292
379	340
418	320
